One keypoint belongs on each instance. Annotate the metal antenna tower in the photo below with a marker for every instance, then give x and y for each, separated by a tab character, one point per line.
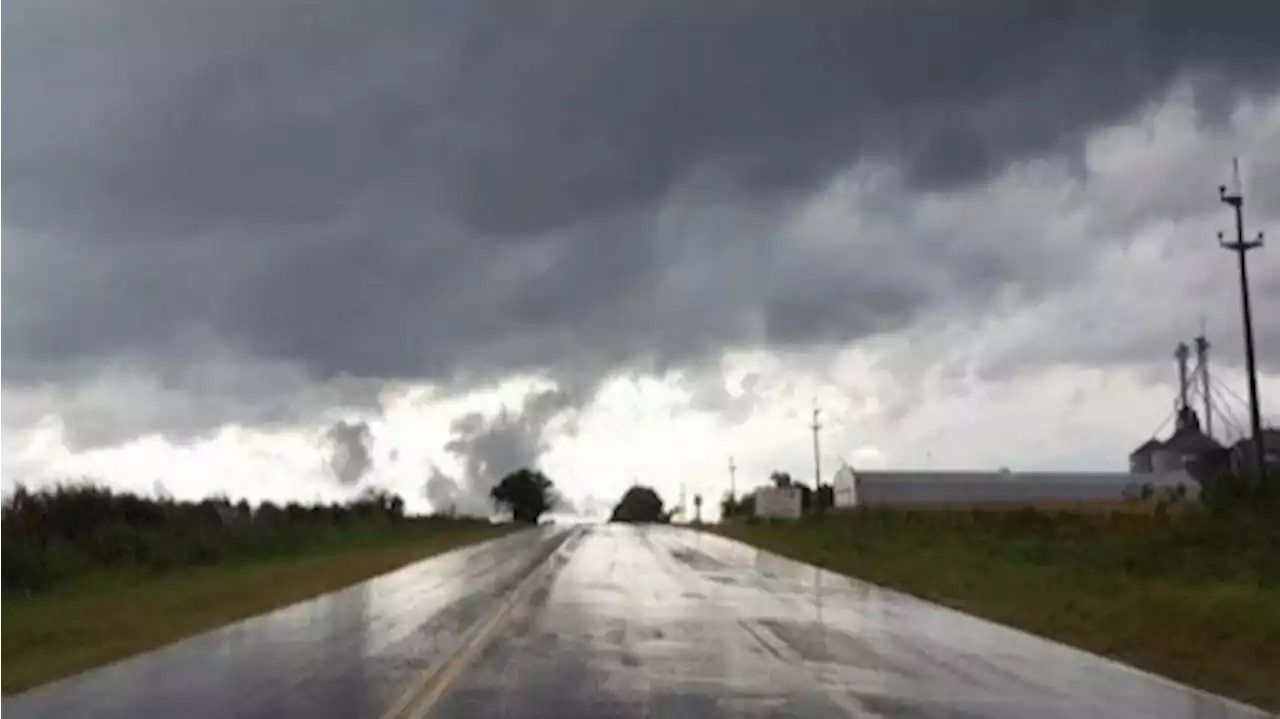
1202	360
1180	353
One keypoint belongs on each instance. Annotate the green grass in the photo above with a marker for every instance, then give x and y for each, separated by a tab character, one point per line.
110	614
1193	597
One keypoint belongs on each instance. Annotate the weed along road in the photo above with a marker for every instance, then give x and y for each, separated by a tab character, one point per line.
610	620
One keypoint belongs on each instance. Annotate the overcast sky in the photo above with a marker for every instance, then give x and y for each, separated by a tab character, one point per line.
286	249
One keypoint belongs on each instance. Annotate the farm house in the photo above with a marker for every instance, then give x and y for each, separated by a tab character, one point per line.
945	489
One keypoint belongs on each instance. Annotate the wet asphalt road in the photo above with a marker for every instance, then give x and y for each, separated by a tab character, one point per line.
598	621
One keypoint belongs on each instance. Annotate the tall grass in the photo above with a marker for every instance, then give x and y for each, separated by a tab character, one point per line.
76	531
92	575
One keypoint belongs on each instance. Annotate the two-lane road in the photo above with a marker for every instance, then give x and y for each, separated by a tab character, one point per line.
616	621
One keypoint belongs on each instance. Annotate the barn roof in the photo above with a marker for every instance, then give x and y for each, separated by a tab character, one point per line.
998	477
906	487
1191	439
1147	447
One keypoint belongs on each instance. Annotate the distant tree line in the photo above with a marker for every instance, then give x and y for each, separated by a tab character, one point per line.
61	533
527	494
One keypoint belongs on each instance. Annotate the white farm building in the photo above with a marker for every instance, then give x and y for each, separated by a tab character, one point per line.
881	488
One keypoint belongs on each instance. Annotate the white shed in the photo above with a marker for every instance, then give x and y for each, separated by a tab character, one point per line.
858	488
778	502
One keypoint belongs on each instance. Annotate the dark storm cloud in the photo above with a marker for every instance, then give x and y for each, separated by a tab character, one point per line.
444	493
492	447
350	451
183	398
426	189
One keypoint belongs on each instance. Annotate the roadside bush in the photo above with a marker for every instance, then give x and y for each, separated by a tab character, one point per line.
57	535
1243	495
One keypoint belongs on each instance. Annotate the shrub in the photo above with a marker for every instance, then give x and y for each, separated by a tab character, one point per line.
59	534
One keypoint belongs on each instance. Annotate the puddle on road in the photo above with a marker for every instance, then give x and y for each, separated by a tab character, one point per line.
698	561
902	708
821	643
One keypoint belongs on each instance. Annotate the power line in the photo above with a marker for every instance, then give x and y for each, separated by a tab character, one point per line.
1231	422
1225	409
1164	423
1224	387
1240	424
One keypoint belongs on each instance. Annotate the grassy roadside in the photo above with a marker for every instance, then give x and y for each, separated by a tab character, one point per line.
112	615
1195	598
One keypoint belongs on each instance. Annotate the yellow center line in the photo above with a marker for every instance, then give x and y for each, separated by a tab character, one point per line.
406	697
440	675
456	667
464	659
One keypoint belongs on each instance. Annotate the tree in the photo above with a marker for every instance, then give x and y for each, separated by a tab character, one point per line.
378	502
742	506
780	479
806	496
526	493
639	504
825	497
728	506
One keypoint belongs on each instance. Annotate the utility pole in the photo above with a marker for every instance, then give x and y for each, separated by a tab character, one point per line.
817	462
1234	197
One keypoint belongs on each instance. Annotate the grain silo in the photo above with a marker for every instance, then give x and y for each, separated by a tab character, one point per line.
1190	449
1142	459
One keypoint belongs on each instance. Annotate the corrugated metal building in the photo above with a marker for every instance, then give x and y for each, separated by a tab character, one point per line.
861	488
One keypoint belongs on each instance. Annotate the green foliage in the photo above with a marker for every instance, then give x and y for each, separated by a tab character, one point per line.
640	504
824	498
743	506
71	531
1243	495
526	493
806	497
